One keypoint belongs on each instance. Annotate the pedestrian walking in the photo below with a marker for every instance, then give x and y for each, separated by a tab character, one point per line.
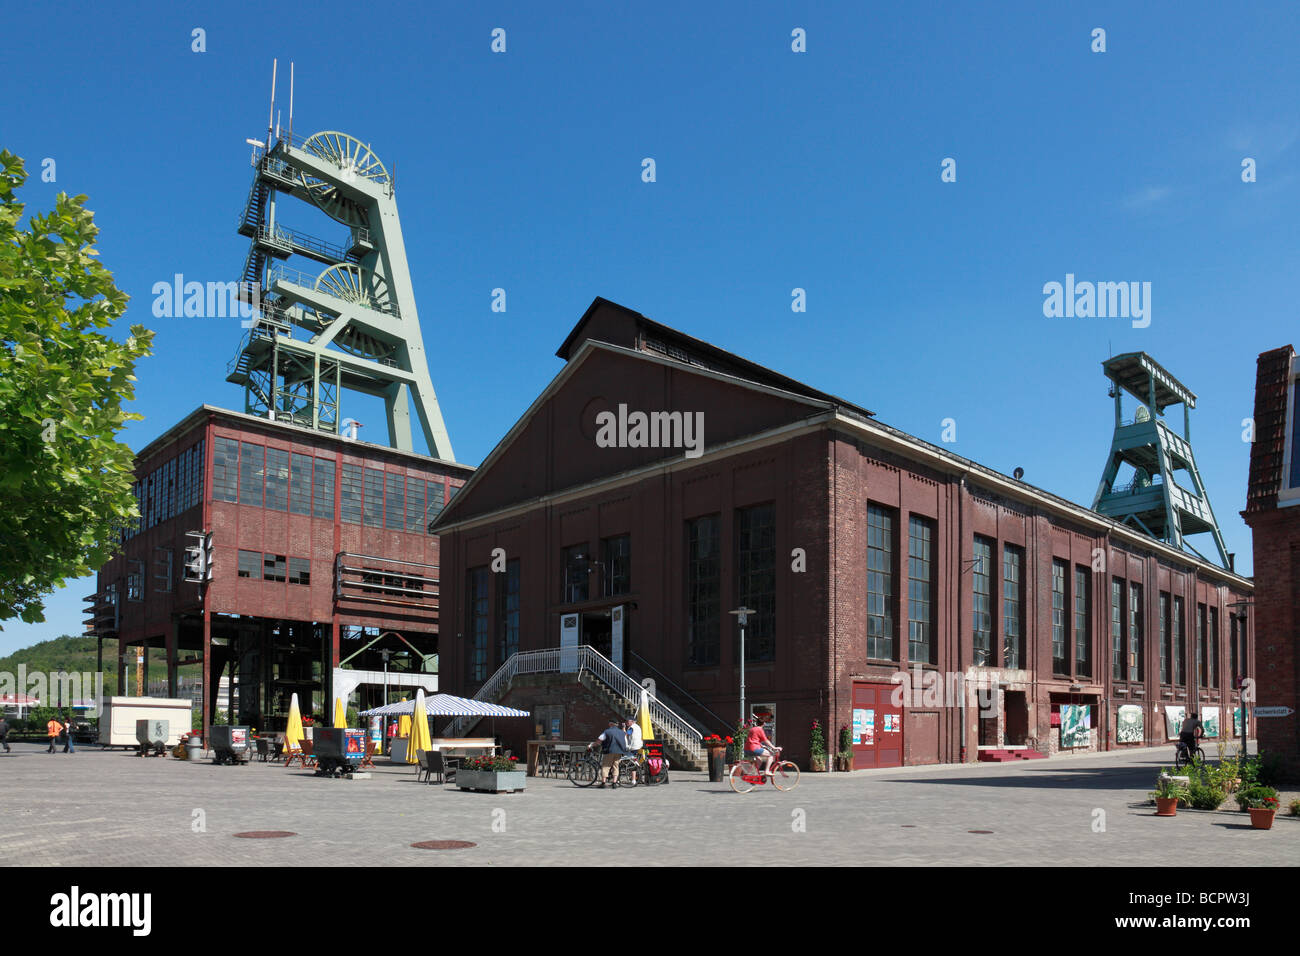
53	728
68	746
4	733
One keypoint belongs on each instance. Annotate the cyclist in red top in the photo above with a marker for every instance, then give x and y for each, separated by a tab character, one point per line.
758	746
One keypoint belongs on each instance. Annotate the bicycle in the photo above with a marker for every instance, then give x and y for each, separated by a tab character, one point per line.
745	774
585	770
1184	757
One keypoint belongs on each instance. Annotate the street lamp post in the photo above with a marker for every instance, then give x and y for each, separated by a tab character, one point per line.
742	616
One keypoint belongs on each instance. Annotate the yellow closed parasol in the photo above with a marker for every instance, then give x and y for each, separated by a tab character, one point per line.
293	732
420	738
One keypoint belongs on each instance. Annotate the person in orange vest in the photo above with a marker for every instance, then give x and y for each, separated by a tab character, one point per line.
53	728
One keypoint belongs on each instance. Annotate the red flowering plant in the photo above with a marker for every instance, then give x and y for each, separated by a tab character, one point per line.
491	763
308	721
817	741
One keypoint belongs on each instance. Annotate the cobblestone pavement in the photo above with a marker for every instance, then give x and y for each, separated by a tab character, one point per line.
114	808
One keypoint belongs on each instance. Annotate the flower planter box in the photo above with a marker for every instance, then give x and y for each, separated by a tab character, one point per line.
491	781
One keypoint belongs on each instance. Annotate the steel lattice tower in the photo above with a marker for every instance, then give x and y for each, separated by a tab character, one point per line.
356	322
1166	497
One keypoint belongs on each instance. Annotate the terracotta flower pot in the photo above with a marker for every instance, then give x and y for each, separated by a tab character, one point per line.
818	764
1261	818
1166	806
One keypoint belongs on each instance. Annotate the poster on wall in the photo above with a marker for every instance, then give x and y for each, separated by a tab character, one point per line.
1236	721
768	713
1210	721
1076	725
1130	727
869	728
859	722
1174	716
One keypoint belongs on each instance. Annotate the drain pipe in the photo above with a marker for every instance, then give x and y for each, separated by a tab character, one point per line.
961	543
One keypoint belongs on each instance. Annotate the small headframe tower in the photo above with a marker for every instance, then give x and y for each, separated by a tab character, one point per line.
347	322
1161	491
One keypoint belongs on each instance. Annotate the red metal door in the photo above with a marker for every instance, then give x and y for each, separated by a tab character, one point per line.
877	726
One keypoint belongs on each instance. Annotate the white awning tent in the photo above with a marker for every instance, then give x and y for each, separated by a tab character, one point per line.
445	705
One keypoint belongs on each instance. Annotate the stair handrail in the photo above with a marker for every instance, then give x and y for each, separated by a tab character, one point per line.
630	690
691	698
550	660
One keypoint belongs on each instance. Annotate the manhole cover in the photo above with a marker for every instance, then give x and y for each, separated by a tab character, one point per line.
265	834
979	831
909	826
443	845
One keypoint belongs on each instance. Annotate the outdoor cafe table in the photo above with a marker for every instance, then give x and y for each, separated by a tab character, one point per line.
562	746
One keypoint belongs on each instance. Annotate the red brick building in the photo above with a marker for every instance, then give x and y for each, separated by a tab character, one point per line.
322	556
1273	513
864	551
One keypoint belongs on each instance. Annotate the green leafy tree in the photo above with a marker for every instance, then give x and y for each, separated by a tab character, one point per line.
65	480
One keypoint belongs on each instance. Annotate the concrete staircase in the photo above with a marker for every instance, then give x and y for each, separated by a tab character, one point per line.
678	754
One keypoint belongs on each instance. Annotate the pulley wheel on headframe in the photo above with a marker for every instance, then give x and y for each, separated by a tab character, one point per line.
355	162
351	283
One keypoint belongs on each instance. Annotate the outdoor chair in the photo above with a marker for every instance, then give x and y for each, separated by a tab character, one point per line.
263	748
449	765
368	761
421	763
435	766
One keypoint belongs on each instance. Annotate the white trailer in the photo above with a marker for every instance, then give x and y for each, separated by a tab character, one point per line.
117	720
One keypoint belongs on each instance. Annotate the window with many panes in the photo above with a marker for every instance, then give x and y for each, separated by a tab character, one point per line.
1117	668
476	626
920	590
1060	629
322	490
703	589
437	492
1135	632
225	469
250	564
616	565
1082	622
1013	604
135	581
300	484
507	584
756	578
1212	657
982	602
351	494
373	514
577	573
163	573
880	583
299	571
1180	642
395	501
252	474
273	567
1200	645
277	479
1164	637
415	504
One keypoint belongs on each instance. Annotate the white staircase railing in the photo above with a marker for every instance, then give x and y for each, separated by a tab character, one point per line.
575	660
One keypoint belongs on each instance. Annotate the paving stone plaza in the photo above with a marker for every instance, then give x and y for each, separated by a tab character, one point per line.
113	808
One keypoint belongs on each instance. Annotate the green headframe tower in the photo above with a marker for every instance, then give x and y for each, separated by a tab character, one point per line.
1161	491
345	322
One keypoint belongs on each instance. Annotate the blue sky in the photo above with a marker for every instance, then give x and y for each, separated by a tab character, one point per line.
775	170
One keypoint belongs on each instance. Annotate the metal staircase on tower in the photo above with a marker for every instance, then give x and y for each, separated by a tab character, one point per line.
1162	494
350	326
